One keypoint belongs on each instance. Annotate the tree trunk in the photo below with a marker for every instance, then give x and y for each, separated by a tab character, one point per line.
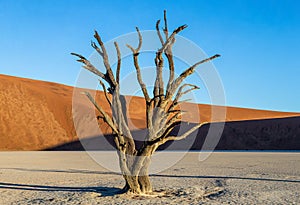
143	178
137	179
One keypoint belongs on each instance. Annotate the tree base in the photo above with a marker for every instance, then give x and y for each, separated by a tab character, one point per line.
135	195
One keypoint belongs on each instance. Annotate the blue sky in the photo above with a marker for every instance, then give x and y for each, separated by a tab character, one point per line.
259	40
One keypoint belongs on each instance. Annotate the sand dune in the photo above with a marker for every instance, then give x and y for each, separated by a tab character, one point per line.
36	115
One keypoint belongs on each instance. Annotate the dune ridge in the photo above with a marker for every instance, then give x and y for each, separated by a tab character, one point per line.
36	115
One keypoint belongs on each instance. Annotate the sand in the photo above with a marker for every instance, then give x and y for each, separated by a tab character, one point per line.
223	178
40	113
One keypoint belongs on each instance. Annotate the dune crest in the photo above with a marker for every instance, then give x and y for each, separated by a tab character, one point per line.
36	115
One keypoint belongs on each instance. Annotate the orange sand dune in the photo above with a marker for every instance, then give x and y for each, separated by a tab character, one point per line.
36	115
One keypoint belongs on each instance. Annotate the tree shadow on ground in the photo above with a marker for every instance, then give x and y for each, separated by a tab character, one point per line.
71	171
227	177
104	191
79	171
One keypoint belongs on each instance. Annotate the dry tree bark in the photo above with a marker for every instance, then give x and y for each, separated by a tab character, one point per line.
162	113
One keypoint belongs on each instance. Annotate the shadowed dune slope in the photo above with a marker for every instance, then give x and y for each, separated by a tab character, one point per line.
37	115
264	134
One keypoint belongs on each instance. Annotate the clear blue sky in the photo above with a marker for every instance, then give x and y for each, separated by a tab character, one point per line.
259	40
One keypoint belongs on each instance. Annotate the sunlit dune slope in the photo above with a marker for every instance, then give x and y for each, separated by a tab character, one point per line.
36	115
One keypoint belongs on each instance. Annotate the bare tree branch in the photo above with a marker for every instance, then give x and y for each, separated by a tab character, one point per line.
170	39
186	133
135	53
180	93
93	44
163	139
168	120
176	83
159	116
140	39
149	123
89	66
171	123
168	52
106	117
168	129
116	140
119	62
158	89
158	32
159	85
105	92
109	72
166	24
119	117
169	56
136	50
116	103
190	70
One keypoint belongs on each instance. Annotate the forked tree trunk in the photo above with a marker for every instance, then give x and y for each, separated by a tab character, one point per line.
138	185
136	175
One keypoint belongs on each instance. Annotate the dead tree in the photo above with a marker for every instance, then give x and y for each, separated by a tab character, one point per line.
162	113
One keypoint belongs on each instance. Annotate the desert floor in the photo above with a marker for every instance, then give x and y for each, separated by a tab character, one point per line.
225	177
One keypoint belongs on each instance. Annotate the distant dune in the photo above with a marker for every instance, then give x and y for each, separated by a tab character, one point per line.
37	115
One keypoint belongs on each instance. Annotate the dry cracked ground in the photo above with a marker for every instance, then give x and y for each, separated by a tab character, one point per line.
223	178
